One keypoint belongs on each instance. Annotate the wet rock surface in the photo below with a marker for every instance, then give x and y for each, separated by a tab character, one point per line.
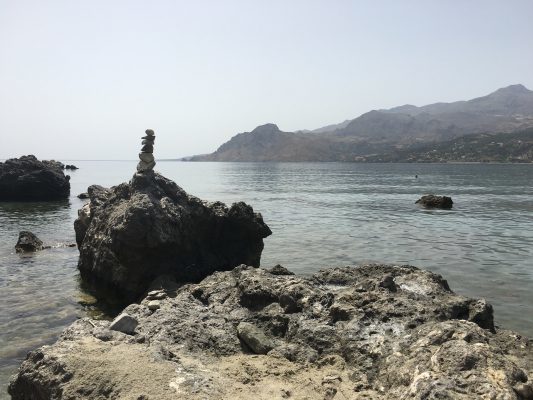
134	232
28	242
372	332
432	201
28	179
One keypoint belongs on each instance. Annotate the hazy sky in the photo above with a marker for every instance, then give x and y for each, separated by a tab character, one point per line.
84	79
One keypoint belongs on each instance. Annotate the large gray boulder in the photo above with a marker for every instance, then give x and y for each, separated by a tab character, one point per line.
132	233
342	333
28	179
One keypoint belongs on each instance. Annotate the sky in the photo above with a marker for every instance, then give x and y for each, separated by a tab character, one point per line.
83	79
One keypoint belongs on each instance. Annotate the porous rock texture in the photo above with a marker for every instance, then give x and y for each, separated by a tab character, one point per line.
28	242
132	233
371	332
432	201
28	179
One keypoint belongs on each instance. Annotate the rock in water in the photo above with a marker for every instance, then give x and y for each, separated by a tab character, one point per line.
432	201
28	179
347	333
132	233
28	242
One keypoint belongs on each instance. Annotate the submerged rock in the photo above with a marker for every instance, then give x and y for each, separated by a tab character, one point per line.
71	167
28	242
28	179
432	201
347	333
132	233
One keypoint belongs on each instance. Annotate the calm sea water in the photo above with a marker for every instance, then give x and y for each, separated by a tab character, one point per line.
321	214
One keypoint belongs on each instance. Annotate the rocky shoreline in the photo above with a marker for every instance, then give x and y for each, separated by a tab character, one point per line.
373	331
198	327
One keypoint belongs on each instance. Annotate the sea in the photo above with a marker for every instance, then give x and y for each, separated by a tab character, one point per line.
321	215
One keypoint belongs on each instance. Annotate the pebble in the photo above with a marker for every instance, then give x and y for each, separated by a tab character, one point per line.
154	305
146	157
147	148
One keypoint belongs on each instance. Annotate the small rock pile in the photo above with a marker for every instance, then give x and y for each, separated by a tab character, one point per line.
146	155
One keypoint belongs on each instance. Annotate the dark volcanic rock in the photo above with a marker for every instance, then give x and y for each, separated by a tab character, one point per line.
346	334
432	201
83	196
71	167
28	242
136	231
27	178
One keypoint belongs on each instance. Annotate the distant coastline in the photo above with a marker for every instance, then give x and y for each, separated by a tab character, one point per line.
493	128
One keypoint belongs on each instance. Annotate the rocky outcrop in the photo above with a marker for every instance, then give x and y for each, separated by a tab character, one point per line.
432	201
131	233
71	167
28	242
28	179
376	331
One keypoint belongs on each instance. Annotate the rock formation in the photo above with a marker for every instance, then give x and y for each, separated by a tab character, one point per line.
372	332
29	179
146	156
132	233
28	242
432	201
71	167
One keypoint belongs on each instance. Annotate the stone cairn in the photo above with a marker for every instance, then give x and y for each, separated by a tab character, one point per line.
146	155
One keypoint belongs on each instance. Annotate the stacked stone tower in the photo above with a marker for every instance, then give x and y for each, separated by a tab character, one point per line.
146	155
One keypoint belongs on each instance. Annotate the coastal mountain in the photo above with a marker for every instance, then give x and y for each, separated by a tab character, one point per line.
515	147
379	132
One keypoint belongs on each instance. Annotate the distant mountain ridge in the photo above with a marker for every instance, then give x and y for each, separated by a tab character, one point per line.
384	131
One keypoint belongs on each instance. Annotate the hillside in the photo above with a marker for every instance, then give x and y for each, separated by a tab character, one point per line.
501	147
379	132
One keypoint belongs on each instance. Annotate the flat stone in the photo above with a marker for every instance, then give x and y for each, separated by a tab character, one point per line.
156	295
149	132
148	141
255	338
124	323
154	305
146	157
144	166
147	148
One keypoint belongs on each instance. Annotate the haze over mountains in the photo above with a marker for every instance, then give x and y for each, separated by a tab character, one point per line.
378	132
